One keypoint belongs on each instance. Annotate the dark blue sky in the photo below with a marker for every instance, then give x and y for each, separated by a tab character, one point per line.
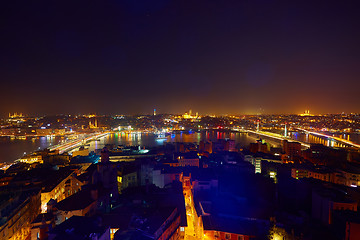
130	56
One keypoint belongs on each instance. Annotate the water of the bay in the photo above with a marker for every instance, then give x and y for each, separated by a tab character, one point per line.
151	140
12	149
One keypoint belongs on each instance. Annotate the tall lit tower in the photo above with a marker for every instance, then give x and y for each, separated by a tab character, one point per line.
285	131
258	125
154	112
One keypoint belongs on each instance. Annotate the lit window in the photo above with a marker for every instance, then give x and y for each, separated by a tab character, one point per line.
182	229
119	179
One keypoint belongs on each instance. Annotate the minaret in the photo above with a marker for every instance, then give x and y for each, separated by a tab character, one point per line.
285	131
258	125
154	112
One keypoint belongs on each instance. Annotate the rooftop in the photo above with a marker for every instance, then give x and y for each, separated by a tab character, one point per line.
250	227
77	201
146	209
79	228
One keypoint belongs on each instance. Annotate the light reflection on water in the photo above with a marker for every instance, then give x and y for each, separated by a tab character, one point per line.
150	140
12	149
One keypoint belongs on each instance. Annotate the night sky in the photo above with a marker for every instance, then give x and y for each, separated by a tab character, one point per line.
214	57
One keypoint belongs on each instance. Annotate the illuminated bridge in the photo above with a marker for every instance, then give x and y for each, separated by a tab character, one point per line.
344	141
67	146
277	137
338	142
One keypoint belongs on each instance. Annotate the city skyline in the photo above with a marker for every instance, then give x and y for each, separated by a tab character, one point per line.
99	114
180	120
220	58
